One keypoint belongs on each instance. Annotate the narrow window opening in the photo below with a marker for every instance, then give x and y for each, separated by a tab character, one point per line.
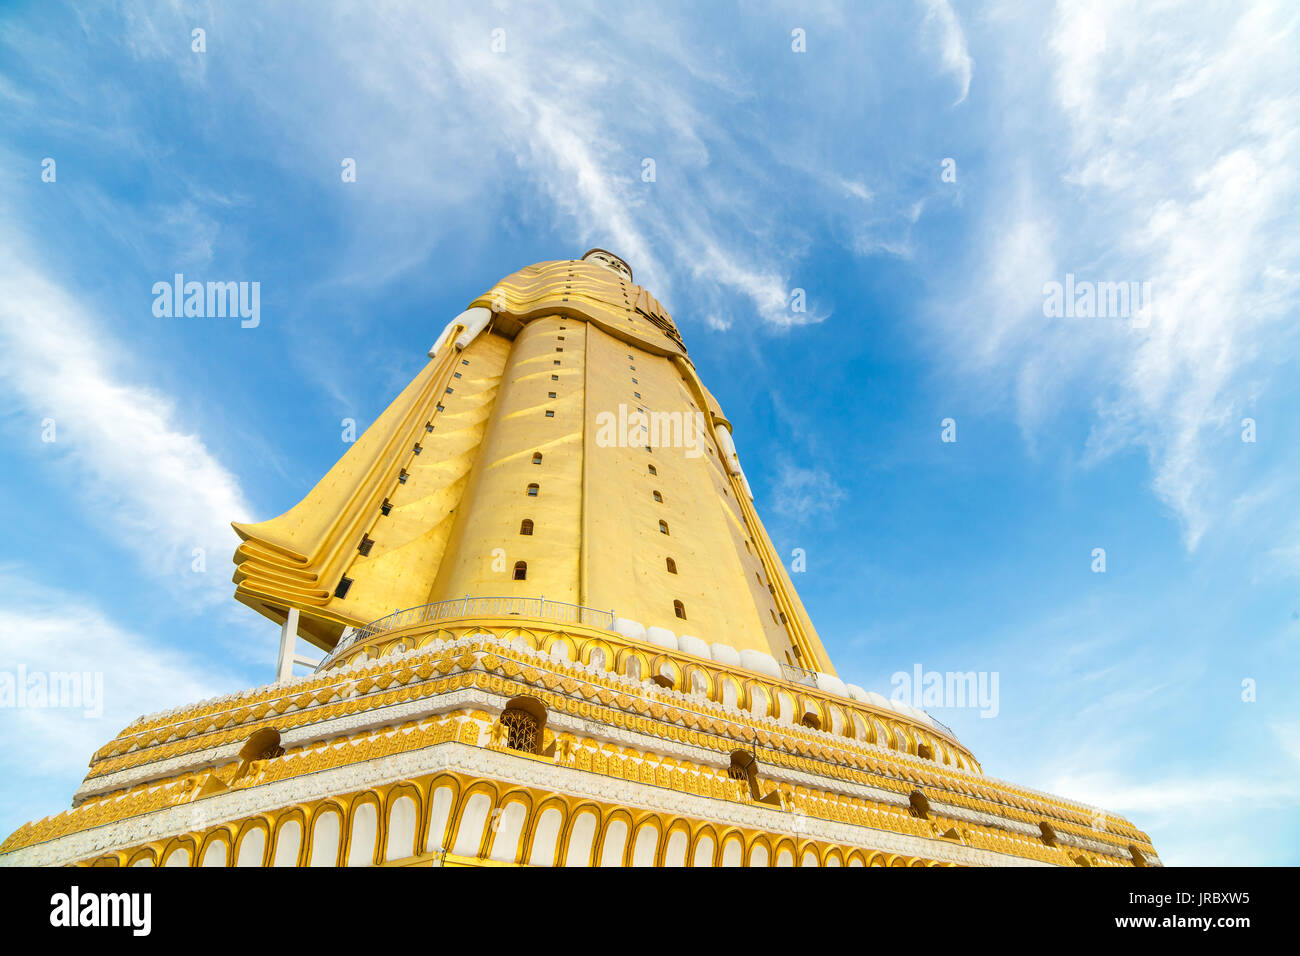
521	570
658	497
551	395
386	508
402	476
550	413
672	566
464	361
418	448
521	731
663	527
341	591
537	458
262	744
920	806
526	526
653	470
533	489
744	770
366	544
523	721
679	609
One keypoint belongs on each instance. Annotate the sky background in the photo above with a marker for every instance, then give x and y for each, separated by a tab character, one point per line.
1128	142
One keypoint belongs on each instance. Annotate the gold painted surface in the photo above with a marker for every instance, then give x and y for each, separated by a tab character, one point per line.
582	332
613	835
335	692
508	673
436	833
450	461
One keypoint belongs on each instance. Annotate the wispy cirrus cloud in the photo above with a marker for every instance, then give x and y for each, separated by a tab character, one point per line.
130	465
801	493
1210	228
1171	138
953	52
119	677
710	226
1207	818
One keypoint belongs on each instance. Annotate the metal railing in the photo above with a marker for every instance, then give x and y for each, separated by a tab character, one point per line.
941	725
539	608
797	675
468	606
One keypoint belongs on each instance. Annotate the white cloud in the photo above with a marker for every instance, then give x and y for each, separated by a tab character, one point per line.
48	630
955	56
1193	154
804	493
868	245
51	632
1178	812
571	129
1177	169
134	468
855	189
476	123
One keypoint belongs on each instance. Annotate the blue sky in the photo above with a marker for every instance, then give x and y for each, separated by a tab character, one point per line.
1114	141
